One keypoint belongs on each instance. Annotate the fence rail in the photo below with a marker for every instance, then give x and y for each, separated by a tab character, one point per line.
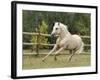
45	44
46	35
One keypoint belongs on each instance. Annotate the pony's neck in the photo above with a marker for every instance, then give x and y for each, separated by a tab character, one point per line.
64	33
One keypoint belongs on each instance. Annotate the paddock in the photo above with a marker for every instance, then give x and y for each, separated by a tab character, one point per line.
31	61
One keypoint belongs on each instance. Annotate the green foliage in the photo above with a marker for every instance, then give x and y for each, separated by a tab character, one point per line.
43	21
38	38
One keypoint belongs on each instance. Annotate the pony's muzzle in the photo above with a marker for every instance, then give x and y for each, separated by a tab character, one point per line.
52	34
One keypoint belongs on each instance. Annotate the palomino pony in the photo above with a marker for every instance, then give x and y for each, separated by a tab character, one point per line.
65	40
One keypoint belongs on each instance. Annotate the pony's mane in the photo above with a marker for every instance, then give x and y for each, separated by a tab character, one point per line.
64	27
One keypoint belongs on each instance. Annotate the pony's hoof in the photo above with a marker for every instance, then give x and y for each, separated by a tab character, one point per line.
55	59
69	60
43	60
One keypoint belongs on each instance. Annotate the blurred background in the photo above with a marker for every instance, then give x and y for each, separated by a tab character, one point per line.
37	26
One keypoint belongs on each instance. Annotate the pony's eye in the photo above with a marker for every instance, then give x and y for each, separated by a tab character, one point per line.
56	28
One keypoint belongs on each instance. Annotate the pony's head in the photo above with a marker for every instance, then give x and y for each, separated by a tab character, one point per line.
58	28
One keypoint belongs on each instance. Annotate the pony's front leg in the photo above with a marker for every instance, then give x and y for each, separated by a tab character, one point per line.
54	48
62	48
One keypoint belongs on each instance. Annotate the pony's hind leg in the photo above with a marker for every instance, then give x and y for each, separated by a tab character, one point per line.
71	55
70	51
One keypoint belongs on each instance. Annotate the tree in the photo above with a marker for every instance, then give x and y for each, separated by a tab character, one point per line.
42	28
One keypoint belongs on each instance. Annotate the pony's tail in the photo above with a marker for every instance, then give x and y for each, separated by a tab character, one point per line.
80	49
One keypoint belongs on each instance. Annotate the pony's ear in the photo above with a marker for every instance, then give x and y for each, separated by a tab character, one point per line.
58	23
53	24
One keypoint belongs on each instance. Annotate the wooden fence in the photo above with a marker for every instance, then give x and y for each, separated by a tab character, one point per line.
45	35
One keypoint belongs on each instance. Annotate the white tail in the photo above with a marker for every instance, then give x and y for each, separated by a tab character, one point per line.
80	49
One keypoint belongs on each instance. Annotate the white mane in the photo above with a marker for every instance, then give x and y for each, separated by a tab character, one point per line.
64	27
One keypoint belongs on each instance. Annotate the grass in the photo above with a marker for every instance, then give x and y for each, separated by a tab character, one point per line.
33	62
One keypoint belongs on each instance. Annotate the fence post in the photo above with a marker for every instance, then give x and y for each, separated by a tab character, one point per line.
38	42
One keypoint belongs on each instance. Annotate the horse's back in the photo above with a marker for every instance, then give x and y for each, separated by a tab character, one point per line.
73	41
77	37
78	40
